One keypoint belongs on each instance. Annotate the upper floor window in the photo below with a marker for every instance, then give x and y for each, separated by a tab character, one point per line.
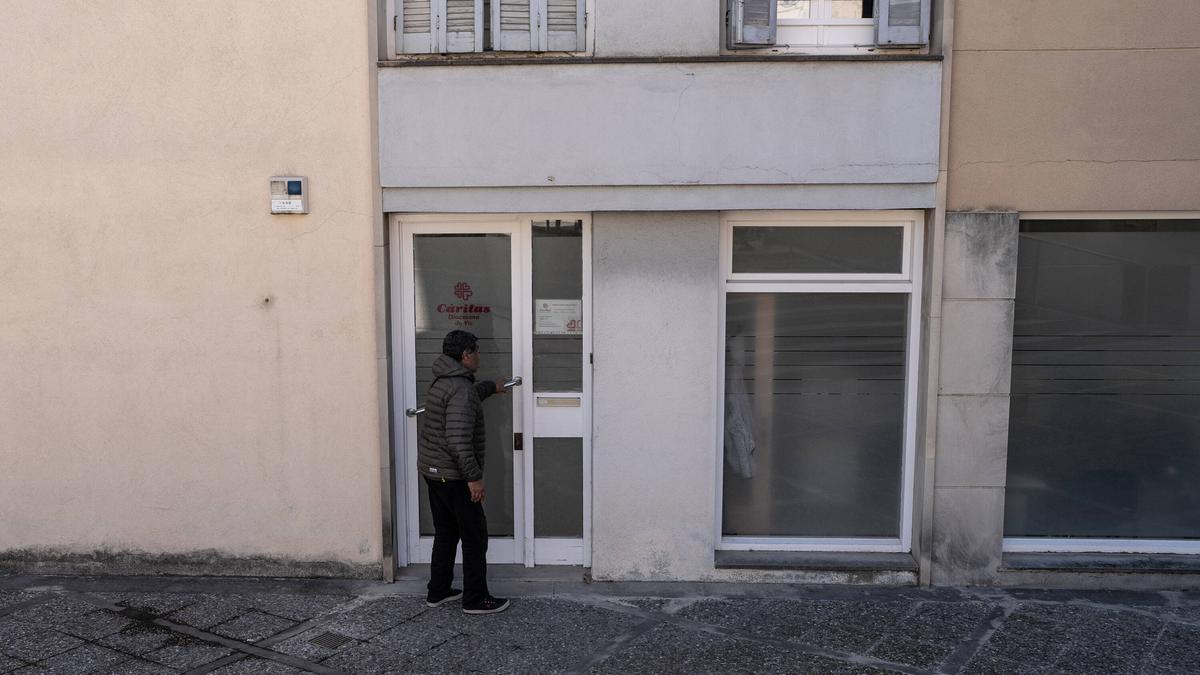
457	26
822	24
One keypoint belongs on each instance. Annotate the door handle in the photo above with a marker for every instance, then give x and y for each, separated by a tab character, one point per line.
413	412
513	382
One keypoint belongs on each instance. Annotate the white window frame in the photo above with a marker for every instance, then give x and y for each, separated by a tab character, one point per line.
823	24
392	53
1087	544
907	283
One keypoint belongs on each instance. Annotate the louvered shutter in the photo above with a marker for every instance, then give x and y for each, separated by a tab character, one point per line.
463	27
563	26
902	22
429	26
514	26
414	26
752	23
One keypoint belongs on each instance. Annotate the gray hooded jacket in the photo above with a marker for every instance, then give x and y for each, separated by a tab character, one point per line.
451	443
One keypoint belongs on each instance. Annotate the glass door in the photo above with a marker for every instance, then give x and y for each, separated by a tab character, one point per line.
463	276
521	285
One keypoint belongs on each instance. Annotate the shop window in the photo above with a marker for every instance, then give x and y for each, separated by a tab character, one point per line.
820	316
1104	436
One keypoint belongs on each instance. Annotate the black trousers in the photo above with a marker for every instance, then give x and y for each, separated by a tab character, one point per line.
456	518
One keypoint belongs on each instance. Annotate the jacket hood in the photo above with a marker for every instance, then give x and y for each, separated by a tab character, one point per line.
444	366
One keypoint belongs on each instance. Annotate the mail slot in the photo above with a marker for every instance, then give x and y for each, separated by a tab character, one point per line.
557	414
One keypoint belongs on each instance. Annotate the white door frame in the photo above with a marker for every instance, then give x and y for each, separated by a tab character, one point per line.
523	548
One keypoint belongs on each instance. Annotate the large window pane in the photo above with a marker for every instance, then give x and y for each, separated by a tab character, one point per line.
558	487
464	281
1104	434
818	250
558	305
814	414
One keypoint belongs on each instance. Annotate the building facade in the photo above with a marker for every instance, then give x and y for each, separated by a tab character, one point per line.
758	266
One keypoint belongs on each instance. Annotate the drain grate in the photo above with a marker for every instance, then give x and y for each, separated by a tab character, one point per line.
330	640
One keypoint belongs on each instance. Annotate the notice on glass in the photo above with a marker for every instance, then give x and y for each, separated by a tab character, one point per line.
558	317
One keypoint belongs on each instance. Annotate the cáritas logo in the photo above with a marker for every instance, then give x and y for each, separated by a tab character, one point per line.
465	314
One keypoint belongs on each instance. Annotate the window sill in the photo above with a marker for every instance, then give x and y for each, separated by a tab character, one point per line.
817	561
438	60
1124	563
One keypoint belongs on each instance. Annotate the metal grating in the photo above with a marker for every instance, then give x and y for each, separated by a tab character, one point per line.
330	640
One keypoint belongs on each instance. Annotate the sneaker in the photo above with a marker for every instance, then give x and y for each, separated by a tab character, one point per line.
489	605
432	601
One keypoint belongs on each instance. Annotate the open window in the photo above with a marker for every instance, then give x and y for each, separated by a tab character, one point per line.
823	24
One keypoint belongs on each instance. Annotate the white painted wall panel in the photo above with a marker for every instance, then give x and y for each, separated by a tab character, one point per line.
658	28
654	433
660	124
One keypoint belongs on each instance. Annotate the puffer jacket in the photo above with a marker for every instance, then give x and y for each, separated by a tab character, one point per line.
451	439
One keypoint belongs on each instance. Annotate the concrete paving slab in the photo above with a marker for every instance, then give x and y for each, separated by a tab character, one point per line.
156	603
255	666
184	653
376	616
141	667
253	626
88	658
8	663
670	649
94	625
137	639
55	610
901	649
33	642
10	598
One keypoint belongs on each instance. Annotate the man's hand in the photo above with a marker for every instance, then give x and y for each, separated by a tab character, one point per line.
500	387
476	488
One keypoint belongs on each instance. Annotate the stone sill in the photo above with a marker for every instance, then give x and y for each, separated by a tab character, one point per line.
1120	563
816	561
438	60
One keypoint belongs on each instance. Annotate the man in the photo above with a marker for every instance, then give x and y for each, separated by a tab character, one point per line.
450	458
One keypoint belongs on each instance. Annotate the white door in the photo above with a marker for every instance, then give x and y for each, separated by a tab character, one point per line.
519	283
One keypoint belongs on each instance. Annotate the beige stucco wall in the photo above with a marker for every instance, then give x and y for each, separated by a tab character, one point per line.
182	371
1075	105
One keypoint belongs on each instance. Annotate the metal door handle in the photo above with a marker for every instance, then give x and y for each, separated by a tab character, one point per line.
513	382
413	412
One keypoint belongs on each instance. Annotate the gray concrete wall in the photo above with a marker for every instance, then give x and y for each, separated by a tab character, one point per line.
978	292
655	394
659	124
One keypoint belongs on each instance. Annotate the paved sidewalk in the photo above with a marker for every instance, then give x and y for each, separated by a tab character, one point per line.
170	625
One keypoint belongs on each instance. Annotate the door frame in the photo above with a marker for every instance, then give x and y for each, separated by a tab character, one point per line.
526	550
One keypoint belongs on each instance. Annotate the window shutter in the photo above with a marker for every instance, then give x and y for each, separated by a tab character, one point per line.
434	26
564	26
415	26
463	26
513	25
902	22
752	23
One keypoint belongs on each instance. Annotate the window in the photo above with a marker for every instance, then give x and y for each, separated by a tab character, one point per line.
464	26
823	25
821	314
1104	436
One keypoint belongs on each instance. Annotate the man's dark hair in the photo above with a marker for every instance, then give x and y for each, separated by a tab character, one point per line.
457	342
